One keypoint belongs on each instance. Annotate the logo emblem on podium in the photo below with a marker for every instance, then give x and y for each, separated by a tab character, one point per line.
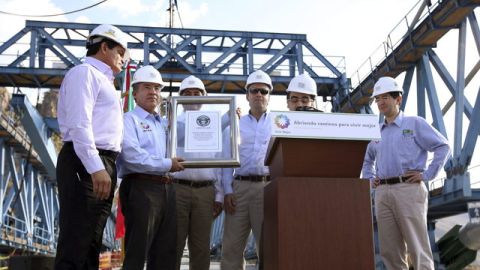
282	121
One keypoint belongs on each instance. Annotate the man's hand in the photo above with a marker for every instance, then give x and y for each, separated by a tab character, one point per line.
375	182
230	202
101	184
217	209
238	111
176	165
413	176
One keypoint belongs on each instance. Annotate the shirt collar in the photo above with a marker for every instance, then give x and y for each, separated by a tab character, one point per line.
140	112
398	120
100	66
263	115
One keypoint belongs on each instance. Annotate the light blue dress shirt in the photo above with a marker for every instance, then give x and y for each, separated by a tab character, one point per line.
144	144
404	147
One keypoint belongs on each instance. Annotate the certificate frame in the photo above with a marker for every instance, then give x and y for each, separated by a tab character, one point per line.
172	112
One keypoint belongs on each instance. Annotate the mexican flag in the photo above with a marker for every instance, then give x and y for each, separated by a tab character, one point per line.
128	104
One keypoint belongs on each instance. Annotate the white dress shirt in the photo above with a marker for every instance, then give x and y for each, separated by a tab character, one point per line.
90	112
200	174
254	138
144	144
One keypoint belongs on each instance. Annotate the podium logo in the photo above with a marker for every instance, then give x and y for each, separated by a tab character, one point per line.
282	121
203	120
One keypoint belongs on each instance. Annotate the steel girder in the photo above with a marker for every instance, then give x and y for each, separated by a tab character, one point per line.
222	59
404	47
38	131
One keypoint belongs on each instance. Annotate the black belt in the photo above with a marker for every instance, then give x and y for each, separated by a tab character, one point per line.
101	152
194	184
253	178
392	180
158	178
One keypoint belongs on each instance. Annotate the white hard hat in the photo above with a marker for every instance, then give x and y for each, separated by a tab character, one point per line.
385	85
303	83
259	77
192	82
108	31
148	74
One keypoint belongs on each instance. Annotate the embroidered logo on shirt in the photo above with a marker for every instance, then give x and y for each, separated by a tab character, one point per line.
407	133
145	126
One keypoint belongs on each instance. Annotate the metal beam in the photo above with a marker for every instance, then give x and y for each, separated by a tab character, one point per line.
37	131
433	97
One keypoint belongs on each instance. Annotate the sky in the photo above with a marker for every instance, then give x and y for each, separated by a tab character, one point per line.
350	28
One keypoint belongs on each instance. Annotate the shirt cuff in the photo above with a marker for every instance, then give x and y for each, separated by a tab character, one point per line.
219	197
228	189
167	164
93	164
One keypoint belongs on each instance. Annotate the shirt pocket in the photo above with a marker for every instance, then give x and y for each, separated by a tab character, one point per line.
408	146
145	134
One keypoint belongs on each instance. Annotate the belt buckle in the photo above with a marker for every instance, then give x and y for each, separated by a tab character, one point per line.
400	178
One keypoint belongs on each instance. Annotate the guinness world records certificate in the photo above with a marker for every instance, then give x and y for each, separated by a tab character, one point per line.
203	131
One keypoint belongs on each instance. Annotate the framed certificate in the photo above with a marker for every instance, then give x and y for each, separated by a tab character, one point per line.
203	131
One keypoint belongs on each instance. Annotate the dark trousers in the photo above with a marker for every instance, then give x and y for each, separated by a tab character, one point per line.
150	222
82	216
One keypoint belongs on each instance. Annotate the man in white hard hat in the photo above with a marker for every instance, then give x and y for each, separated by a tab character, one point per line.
301	93
90	120
146	192
396	165
244	195
199	191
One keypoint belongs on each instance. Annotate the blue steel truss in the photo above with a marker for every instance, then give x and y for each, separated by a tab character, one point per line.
38	131
28	199
222	59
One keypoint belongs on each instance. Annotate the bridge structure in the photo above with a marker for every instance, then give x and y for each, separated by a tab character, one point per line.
39	55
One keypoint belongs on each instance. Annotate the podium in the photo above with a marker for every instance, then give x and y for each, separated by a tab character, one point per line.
317	210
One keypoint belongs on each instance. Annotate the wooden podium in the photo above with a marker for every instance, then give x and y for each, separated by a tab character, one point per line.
317	210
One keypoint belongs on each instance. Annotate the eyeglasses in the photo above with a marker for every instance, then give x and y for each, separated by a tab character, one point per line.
256	90
304	99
